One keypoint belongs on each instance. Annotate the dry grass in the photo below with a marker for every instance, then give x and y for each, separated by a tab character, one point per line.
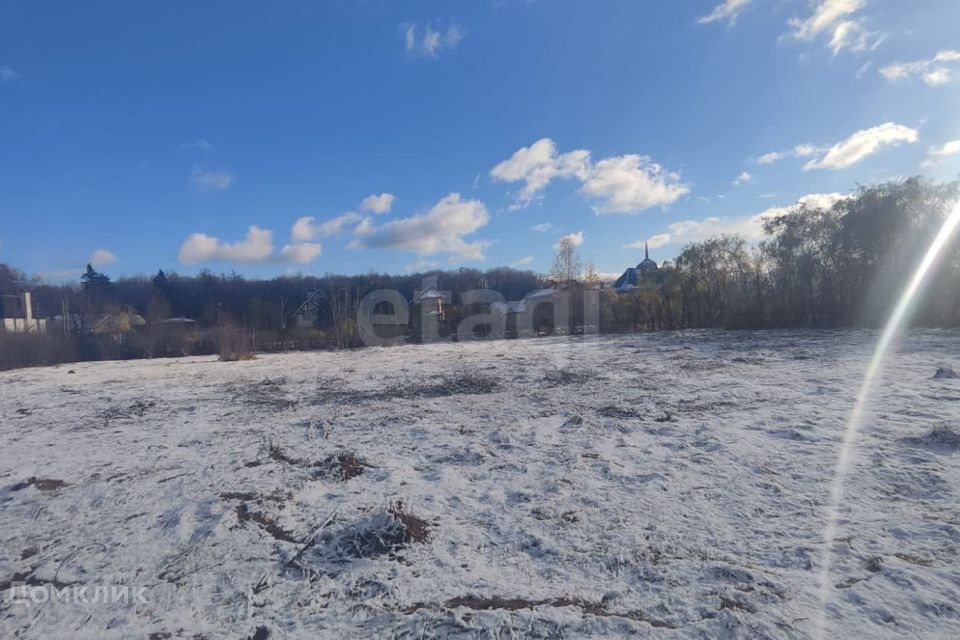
43	484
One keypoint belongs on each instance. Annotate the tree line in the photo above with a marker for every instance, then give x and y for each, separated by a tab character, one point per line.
841	266
816	267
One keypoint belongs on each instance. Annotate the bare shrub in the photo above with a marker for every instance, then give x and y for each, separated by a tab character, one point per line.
235	344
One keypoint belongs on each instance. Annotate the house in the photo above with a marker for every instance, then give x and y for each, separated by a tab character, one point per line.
307	314
122	322
17	314
433	301
633	275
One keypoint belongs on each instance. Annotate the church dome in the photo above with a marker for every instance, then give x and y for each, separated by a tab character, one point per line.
646	264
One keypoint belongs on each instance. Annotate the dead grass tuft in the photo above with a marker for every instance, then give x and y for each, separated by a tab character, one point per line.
43	484
415	529
244	515
567	375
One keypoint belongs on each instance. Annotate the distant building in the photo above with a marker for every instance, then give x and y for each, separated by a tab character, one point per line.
631	277
307	314
432	300
122	322
18	316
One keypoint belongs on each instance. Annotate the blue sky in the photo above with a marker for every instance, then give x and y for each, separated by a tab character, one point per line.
251	135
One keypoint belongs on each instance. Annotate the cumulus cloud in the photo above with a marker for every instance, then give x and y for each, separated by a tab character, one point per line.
862	144
378	204
618	184
421	265
748	227
728	10
575	238
839	20
624	184
936	155
257	246
307	228
799	151
7	74
934	71
211	180
537	165
102	257
301	252
439	230
430	41
742	179
543	226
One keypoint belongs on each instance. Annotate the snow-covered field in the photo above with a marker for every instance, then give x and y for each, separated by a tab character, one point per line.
669	485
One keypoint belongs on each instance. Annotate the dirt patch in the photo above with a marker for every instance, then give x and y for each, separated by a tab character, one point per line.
132	411
415	529
244	515
611	411
942	439
450	385
341	466
515	604
259	498
345	466
383	534
702	365
270	393
564	376
43	484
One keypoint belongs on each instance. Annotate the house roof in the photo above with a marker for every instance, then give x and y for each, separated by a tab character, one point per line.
540	294
431	294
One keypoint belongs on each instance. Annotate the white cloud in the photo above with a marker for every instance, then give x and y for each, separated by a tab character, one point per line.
211	180
742	179
439	230
936	155
800	151
430	41
7	74
770	158
306	228
934	71
575	238
632	183
537	165
102	257
728	10
749	227
421	265
938	77
257	246
522	262
838	19
301	252
620	183
378	204
862	144
543	226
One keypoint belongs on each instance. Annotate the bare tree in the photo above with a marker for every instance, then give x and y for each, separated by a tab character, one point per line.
566	261
590	274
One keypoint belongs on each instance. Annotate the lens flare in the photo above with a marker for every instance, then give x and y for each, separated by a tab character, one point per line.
890	331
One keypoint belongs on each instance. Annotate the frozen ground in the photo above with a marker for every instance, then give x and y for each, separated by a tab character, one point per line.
666	485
